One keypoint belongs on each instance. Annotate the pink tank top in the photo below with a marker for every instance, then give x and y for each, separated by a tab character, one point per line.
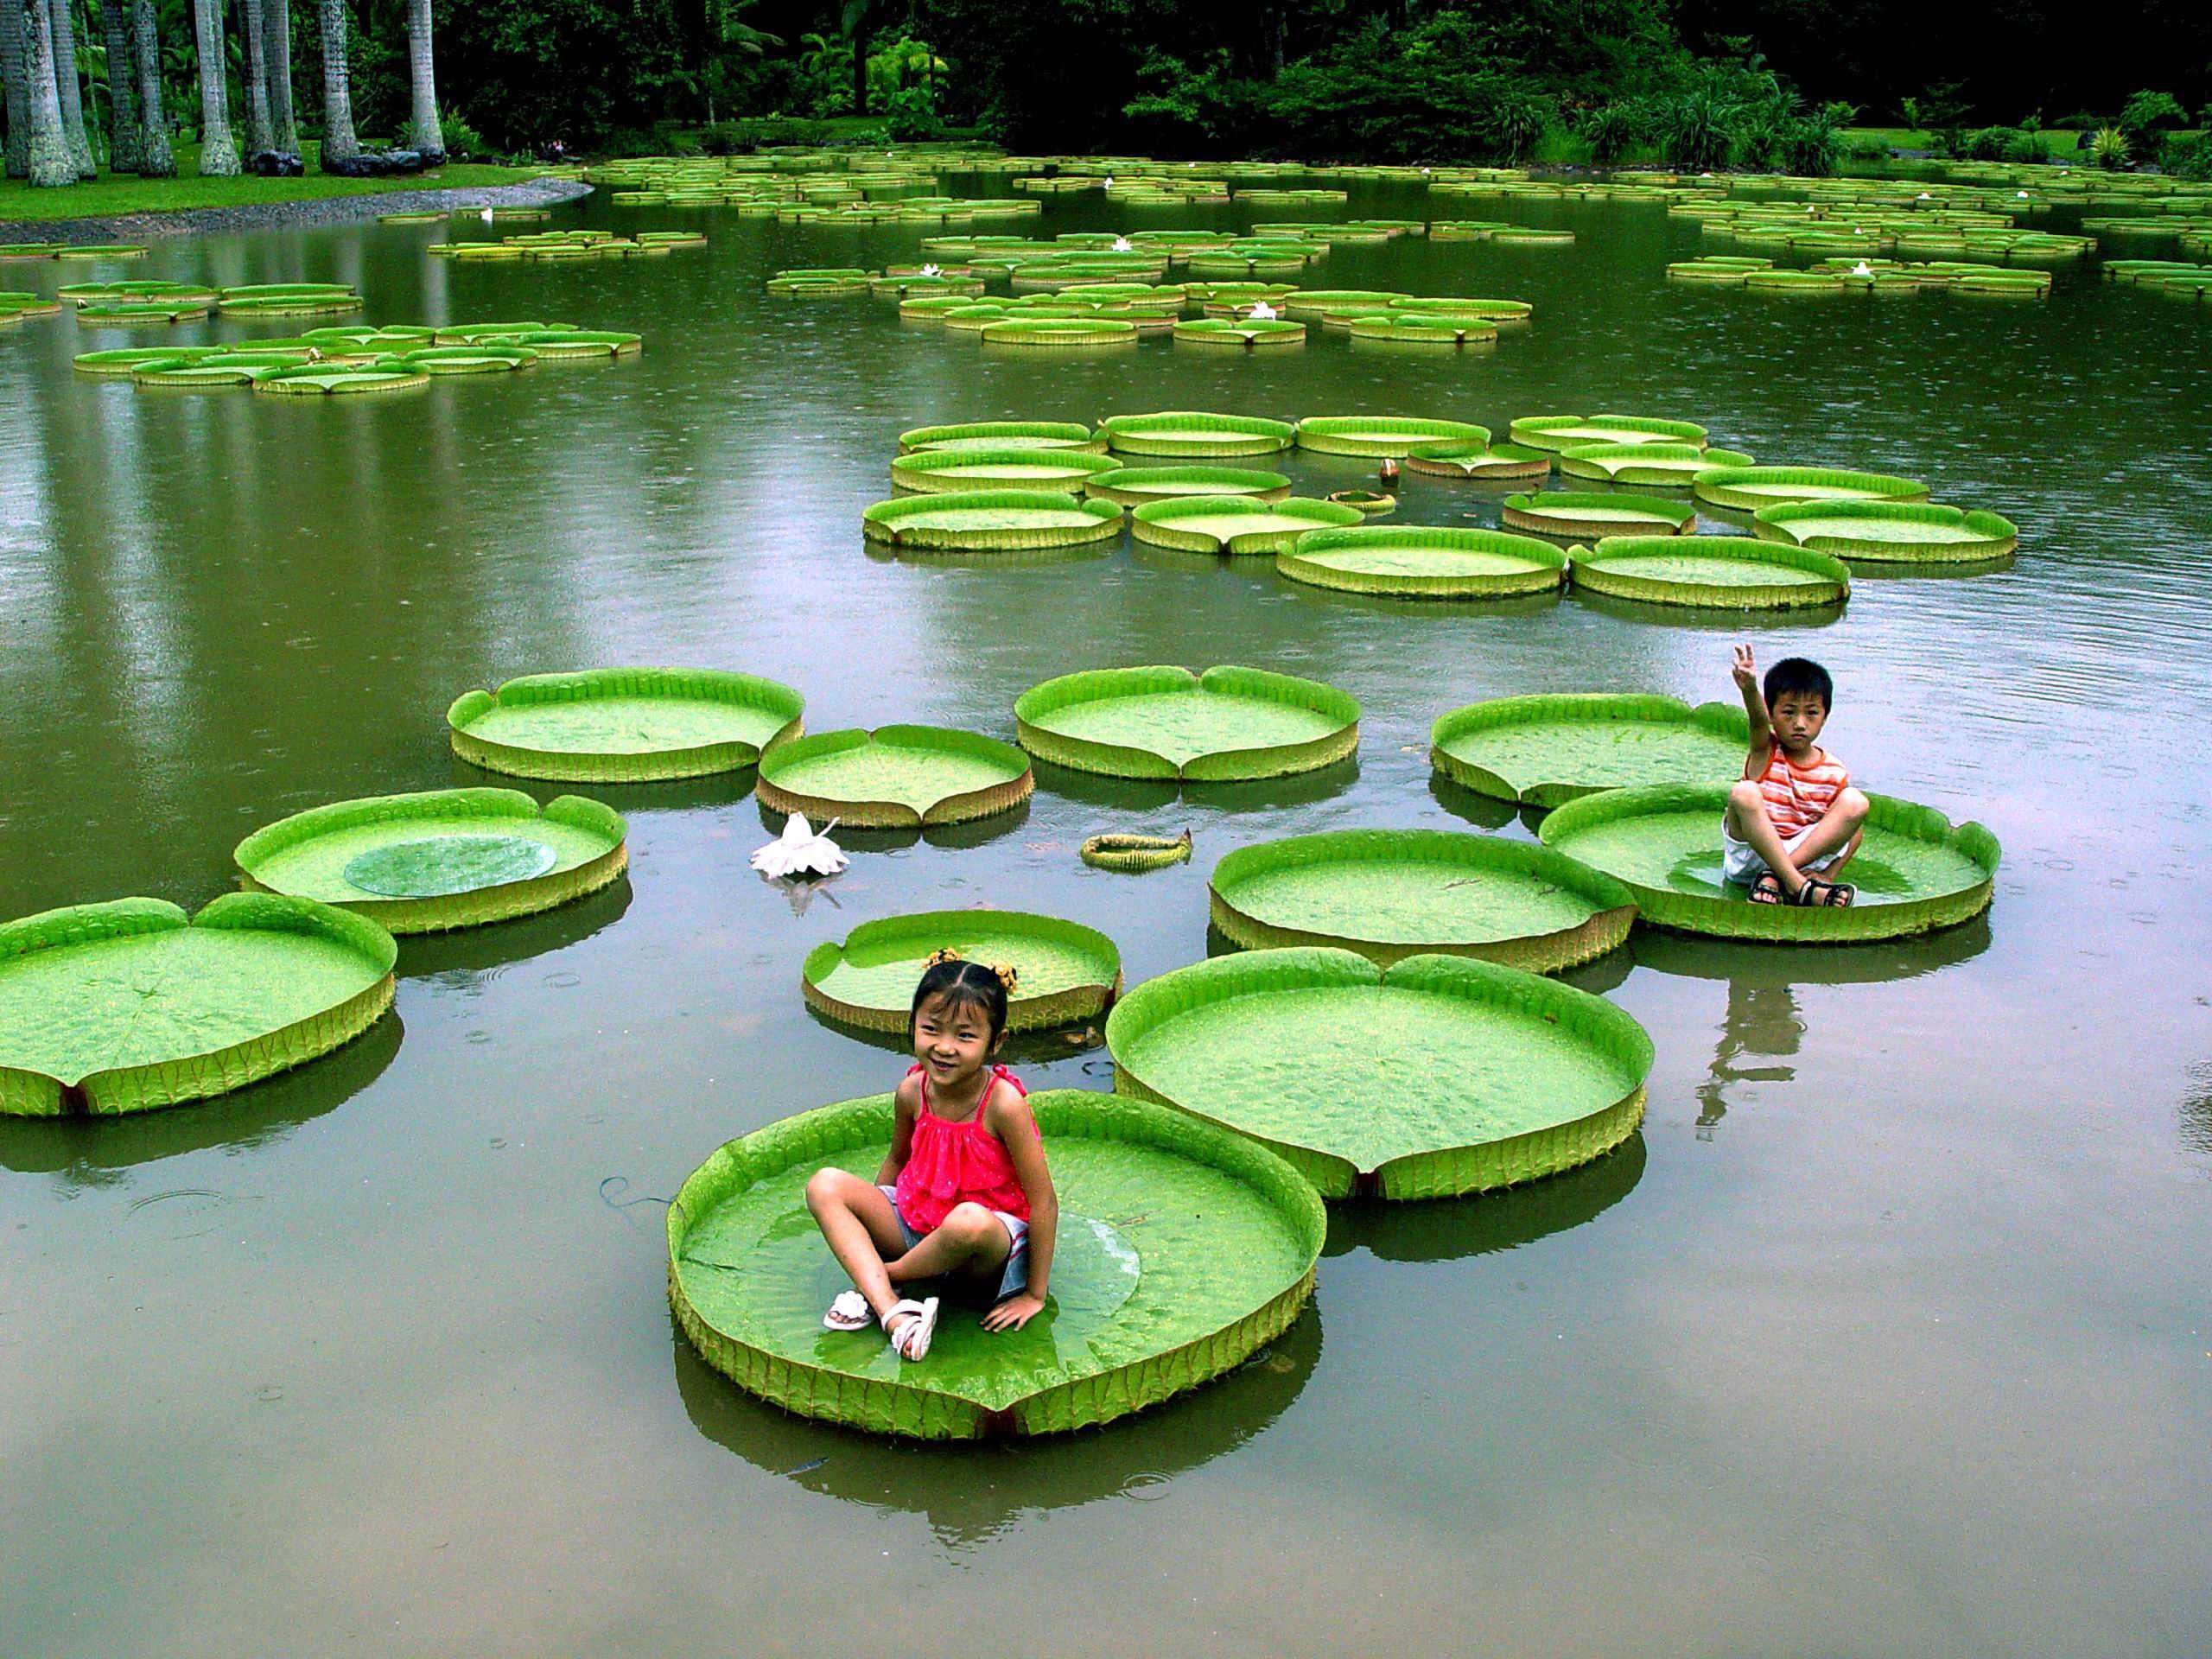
952	1163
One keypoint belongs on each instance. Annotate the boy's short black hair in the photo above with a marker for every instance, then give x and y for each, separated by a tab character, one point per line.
1800	674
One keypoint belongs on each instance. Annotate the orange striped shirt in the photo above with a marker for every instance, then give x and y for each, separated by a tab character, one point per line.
1797	797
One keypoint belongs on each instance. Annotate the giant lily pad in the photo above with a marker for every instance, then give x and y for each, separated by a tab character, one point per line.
1593	513
1059	333
1193	436
1424	562
1236	525
896	777
1454	459
1889	532
990	521
1393	893
1063	971
339	379
1752	487
441	859
1241	333
1556	432
1672	467
1914	870
130	1005
943	470
1738	573
1382	434
1182	1248
1003	434
1137	487
624	725
1168	722
1546	749
1437	1076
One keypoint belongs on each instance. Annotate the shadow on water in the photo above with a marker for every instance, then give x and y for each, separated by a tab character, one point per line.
1436	609
91	1152
1156	795
470	951
1450	1229
1702	619
1483	812
972	1493
664	795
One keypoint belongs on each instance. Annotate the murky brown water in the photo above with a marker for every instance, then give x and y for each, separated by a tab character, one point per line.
1890	1333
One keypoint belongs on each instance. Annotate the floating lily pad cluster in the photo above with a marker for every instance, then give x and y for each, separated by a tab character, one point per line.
553	247
344	361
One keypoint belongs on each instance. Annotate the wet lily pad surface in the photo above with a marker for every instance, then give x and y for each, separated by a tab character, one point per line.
1063	971
435	866
1350	1067
1146	722
1548	749
626	725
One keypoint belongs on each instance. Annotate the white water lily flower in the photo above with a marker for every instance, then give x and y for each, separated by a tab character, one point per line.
486	215
1109	181
1862	269
932	271
1122	244
1262	312
800	851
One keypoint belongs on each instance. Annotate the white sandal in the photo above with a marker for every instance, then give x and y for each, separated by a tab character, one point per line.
911	1340
849	1312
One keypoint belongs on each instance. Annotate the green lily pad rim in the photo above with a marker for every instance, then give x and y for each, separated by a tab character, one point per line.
177	1078
1218	437
1725	720
1609	567
1737	919
1060	433
1158	522
1306	561
1444	1172
1638	464
1253	332
583	685
1613	908
1128	486
1556	513
928	930
1723	486
1448	460
494	807
882	521
1047	698
916	469
1994	536
1382	434
778	763
1536	431
900	1406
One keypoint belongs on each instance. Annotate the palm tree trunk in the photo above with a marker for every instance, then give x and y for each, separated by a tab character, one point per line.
219	153
339	143
62	29
126	140
258	135
51	163
423	132
277	28
155	159
18	87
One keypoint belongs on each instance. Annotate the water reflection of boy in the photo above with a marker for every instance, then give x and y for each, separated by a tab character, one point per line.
1761	1020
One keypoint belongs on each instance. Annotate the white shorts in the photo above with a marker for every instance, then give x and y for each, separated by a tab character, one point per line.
1740	866
1015	1277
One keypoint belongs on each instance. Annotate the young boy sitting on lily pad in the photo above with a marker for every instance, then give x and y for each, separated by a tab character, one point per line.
1793	820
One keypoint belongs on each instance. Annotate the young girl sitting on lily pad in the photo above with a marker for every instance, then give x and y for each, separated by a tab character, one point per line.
962	1201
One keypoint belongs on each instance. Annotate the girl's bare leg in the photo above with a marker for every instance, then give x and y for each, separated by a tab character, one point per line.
862	1231
972	1242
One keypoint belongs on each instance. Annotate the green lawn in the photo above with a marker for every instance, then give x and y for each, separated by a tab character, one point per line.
115	193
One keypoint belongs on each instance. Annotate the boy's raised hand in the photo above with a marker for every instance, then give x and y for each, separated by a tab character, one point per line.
1747	672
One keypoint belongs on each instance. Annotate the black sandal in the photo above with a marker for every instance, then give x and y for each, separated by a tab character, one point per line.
1767	890
1825	895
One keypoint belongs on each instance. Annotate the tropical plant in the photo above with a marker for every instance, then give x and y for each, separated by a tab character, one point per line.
12	73
1693	130
1758	135
339	143
822	76
1811	144
911	118
2027	146
2187	155
125	140
1519	117
254	75
1611	131
277	36
218	155
2148	111
901	62
48	158
2109	148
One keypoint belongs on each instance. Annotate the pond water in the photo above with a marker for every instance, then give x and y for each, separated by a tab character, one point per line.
1890	1332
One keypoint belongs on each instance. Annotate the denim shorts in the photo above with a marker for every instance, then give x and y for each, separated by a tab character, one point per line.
1015	1279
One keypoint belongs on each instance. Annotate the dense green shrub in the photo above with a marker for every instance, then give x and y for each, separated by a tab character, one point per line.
1693	130
2147	113
910	116
2187	154
2109	148
1611	131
